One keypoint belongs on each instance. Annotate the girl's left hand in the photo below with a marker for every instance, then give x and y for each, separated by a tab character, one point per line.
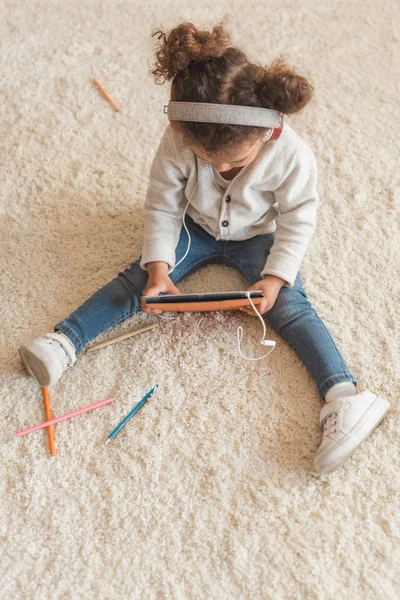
270	287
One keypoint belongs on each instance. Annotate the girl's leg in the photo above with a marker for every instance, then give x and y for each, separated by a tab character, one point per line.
295	319
120	298
293	316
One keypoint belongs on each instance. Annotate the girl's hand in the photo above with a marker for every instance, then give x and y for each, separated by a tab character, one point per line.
158	281
270	287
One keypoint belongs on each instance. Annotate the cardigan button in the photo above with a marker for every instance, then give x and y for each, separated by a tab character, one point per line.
225	223
228	199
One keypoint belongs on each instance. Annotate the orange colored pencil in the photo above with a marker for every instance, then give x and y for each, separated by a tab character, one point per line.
48	417
106	96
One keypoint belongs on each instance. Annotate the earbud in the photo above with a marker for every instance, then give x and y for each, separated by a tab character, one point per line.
271	343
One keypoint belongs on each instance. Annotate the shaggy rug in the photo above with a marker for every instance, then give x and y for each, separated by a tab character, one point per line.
210	492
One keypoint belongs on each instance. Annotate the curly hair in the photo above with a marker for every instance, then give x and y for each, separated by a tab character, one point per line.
204	67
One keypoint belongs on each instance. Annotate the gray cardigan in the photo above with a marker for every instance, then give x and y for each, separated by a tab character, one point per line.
277	193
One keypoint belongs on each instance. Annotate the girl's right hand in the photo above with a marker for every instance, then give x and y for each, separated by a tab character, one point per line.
158	281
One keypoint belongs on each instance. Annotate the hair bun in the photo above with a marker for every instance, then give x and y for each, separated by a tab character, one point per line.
281	88
187	43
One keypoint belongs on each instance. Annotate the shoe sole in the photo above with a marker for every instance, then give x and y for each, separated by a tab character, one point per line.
380	406
35	367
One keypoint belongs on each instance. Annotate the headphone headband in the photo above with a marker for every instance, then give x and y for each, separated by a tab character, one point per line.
232	114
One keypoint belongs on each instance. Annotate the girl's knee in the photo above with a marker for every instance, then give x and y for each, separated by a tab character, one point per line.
136	277
290	304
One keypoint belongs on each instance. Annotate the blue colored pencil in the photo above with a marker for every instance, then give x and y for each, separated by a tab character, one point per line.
133	411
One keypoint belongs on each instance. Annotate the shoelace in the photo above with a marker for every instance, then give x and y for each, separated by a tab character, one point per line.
329	424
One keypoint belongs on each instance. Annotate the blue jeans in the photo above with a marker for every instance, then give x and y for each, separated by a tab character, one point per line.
292	315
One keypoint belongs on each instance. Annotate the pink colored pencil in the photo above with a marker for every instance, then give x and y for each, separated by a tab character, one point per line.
67	416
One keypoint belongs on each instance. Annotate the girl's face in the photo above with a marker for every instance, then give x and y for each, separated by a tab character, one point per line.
237	157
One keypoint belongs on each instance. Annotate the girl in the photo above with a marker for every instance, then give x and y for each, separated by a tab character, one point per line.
252	205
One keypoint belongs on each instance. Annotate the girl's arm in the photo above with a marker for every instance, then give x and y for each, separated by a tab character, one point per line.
164	205
298	201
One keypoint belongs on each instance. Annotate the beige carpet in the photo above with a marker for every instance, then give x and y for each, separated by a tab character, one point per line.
210	491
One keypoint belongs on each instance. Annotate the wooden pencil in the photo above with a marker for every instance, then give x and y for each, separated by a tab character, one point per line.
121	337
106	96
47	410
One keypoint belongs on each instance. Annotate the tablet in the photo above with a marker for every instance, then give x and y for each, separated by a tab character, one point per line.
202	302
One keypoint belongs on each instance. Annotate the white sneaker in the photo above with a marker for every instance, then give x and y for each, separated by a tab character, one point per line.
47	357
347	422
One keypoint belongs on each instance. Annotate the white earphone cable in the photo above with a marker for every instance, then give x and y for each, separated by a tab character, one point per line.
187	249
239	332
